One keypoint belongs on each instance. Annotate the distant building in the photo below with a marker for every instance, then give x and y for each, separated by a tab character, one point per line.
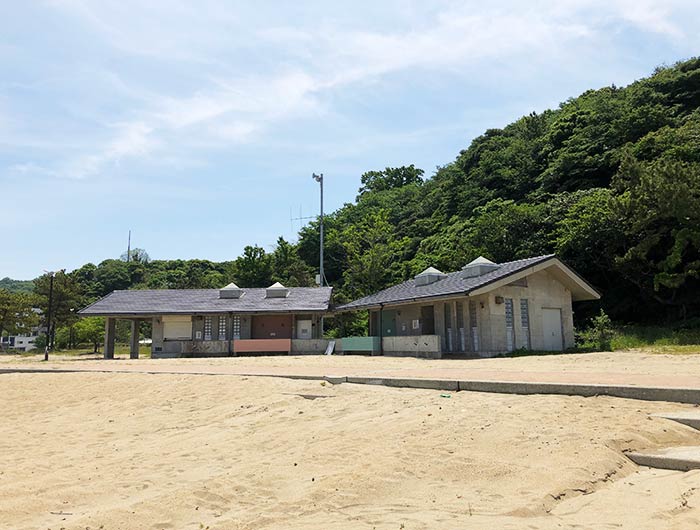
219	322
485	309
23	341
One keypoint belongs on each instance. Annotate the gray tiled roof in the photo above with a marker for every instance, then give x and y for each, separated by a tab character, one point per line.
453	284
187	301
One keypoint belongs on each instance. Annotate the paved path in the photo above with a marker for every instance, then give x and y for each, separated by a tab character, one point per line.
665	387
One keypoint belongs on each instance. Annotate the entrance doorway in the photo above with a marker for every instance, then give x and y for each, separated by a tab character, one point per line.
272	327
551	329
304	329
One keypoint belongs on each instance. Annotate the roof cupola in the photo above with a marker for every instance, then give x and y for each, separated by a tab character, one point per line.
276	290
428	276
479	267
230	291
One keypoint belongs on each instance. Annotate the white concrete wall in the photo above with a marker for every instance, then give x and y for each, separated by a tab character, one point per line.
483	323
314	346
542	291
405	316
420	345
156	336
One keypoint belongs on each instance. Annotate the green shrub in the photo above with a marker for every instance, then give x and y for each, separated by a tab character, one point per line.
598	335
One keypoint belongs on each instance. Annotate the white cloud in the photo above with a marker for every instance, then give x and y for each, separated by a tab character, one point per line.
221	96
131	140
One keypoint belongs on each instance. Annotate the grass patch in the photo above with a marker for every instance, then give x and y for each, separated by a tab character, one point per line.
120	350
656	338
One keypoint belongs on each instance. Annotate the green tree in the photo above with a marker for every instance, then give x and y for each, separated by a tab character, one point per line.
504	230
111	275
254	268
67	300
91	330
16	312
660	203
288	268
373	254
390	178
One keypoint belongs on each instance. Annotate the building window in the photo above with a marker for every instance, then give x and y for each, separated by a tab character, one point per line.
207	328
461	332
447	309
222	327
525	323
510	328
473	327
177	327
236	327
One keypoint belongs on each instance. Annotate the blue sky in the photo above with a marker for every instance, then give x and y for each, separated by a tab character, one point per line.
197	125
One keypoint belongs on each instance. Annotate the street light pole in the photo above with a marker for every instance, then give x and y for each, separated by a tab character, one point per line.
319	179
48	319
322	276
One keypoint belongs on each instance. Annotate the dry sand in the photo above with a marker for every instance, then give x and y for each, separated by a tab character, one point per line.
139	451
635	362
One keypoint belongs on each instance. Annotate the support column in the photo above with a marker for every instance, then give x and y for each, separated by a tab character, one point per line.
110	333
134	340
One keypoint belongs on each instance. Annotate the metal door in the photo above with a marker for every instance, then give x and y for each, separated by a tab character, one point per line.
388	323
551	329
304	329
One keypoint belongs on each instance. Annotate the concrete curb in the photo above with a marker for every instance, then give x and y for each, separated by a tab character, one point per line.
675	458
426	384
675	395
688	418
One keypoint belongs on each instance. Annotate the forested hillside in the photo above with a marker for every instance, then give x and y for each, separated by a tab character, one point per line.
17	286
609	181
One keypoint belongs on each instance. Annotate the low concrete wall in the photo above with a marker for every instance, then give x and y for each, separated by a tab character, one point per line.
361	344
262	346
413	346
220	348
314	346
172	347
191	348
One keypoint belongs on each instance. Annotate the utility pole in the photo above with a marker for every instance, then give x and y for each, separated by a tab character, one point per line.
48	321
128	248
319	179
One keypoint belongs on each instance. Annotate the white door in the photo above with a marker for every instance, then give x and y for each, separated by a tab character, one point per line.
303	329
551	328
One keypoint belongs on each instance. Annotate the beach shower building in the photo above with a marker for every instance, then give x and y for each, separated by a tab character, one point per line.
213	322
484	309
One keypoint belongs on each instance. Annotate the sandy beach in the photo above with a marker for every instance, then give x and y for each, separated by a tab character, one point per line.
170	451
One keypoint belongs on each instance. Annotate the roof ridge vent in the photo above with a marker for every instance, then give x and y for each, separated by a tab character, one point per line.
230	291
479	267
276	290
428	276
